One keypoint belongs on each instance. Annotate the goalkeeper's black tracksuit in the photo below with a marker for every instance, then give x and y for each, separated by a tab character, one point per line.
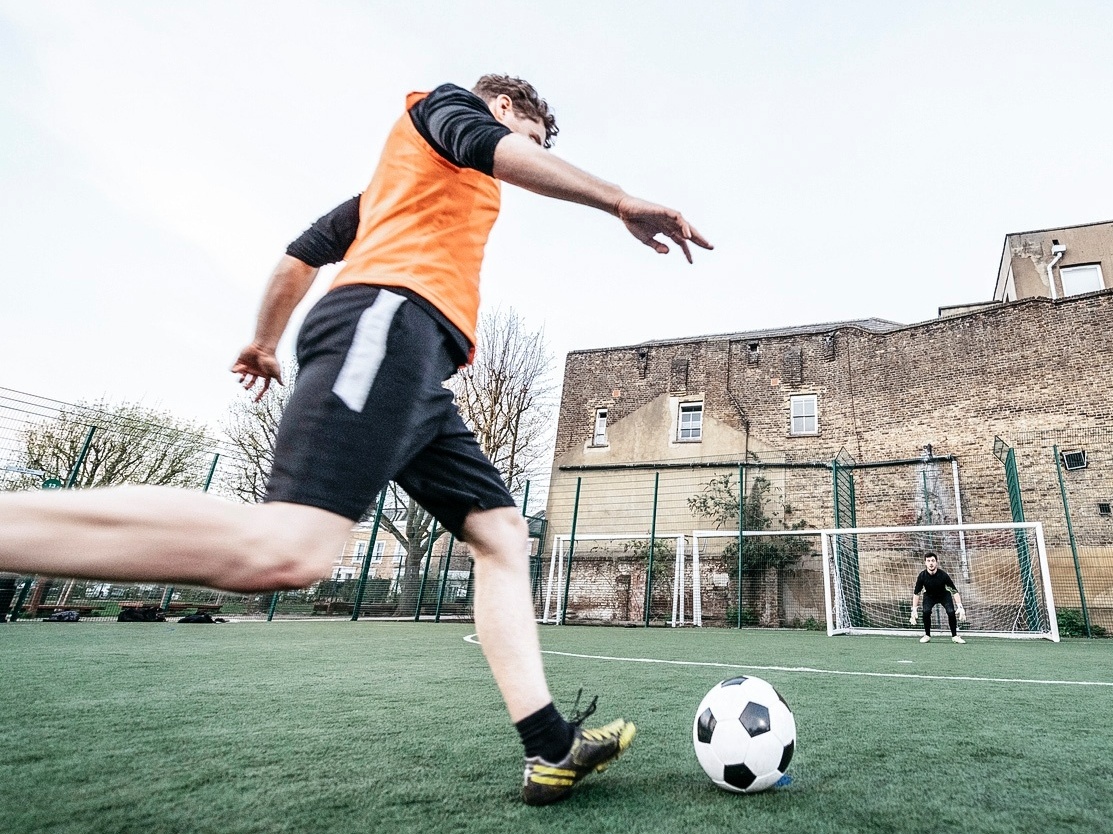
937	588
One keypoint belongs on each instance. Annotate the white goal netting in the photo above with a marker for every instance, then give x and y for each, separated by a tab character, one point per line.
867	574
1000	572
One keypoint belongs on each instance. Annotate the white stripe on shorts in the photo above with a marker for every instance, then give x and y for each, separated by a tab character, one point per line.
366	353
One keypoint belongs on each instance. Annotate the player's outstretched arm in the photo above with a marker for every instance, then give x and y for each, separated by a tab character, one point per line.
521	162
288	285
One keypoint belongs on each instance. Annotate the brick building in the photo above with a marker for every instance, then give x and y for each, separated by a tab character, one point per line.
644	428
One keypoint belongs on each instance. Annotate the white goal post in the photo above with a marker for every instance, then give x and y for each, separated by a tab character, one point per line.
869	572
556	588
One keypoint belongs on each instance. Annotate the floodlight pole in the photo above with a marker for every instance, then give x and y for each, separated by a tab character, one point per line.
1073	544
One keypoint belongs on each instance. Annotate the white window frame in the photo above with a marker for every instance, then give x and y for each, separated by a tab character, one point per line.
361	551
694	428
377	555
599	435
399	552
1076	273
799	414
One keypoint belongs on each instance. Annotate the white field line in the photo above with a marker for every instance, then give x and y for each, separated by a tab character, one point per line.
808	670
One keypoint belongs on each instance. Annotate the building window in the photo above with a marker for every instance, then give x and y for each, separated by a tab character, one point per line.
377	556
1080	279
361	551
690	423
399	552
803	410
599	437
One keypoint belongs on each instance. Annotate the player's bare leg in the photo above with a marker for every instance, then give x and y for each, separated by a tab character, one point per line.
507	629
504	616
160	534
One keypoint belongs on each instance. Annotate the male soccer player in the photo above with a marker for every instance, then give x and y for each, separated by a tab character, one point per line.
937	588
369	405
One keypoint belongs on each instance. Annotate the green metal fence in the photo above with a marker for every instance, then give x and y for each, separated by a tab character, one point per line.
614	544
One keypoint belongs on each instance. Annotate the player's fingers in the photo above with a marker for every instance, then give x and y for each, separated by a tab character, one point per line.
699	239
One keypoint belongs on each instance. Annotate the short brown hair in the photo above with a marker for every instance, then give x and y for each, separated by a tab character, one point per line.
527	103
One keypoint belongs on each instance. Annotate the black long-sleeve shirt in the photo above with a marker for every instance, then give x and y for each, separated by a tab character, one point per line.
936	585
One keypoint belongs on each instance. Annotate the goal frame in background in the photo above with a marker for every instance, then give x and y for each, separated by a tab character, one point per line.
833	588
558	572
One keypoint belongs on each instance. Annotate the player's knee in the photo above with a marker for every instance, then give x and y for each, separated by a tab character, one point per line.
496	533
285	550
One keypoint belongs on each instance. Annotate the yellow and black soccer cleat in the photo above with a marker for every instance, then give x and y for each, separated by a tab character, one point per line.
592	750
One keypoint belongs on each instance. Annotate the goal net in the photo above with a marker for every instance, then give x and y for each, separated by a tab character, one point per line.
1000	572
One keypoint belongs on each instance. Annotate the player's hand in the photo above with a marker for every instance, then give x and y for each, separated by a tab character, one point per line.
645	221
254	364
961	614
912	619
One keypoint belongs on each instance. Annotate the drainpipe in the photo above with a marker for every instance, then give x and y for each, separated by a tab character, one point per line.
1057	250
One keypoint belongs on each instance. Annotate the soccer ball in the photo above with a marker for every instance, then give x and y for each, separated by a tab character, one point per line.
744	735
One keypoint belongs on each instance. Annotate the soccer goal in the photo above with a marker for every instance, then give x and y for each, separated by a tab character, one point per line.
1000	571
600	574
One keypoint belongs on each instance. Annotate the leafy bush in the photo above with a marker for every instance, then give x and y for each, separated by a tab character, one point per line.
1072	624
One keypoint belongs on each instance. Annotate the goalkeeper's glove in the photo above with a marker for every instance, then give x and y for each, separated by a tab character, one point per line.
961	614
912	619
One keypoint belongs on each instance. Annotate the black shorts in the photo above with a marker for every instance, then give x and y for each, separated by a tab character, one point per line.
369	407
946	601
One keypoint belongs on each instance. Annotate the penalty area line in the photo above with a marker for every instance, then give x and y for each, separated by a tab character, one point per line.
809	670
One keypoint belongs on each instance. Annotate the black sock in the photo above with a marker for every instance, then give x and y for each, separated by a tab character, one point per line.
545	733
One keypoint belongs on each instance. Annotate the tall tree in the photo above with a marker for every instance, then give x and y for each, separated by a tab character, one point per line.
506	397
252	430
130	444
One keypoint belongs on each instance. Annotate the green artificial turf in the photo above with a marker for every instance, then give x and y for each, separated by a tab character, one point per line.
398	727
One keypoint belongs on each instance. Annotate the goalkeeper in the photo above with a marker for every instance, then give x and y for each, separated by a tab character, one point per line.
935	587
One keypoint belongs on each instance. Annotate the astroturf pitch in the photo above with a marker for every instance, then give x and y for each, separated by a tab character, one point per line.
397	727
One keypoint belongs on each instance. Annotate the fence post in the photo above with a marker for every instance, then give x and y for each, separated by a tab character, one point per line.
571	550
652	545
1073	544
525	499
741	527
19	600
272	607
367	557
72	479
169	593
425	570
444	577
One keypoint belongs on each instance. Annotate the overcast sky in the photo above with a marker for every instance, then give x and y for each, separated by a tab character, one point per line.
848	159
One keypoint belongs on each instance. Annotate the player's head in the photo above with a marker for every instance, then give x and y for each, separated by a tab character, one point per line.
517	105
931	562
